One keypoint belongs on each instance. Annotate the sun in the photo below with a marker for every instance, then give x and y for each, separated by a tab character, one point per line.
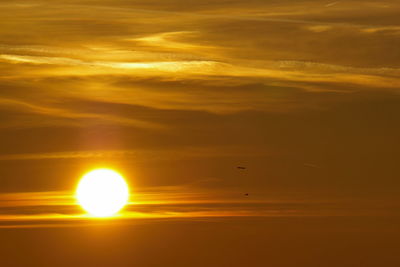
102	192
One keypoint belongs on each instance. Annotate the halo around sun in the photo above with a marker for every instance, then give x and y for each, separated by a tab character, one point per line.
102	192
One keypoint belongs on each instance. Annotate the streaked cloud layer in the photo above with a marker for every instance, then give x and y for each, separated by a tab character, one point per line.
59	209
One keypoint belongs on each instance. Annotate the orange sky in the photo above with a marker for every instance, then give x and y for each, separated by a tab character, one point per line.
175	95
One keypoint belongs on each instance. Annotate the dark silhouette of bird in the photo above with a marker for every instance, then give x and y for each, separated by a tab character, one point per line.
247	194
241	167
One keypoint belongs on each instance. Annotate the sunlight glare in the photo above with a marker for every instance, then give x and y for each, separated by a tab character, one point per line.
102	192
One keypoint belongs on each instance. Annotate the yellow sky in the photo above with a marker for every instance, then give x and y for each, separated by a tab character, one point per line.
113	81
176	94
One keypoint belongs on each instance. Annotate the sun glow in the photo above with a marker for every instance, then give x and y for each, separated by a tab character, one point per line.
102	192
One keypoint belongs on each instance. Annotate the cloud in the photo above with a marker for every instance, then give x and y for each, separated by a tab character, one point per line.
207	57
319	28
140	154
205	83
332	4
70	114
59	209
294	71
382	29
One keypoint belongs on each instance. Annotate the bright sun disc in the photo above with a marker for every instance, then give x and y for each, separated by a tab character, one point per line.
102	192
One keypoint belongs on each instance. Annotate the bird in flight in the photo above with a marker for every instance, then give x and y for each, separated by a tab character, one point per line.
241	167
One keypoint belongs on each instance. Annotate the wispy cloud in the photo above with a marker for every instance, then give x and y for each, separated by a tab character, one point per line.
140	154
204	84
60	209
293	71
49	111
205	49
332	4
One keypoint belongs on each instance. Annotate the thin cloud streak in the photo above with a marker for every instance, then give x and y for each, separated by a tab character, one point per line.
264	16
60	209
311	72
70	114
140	154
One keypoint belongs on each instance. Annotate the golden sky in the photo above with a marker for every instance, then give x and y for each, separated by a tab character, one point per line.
175	95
